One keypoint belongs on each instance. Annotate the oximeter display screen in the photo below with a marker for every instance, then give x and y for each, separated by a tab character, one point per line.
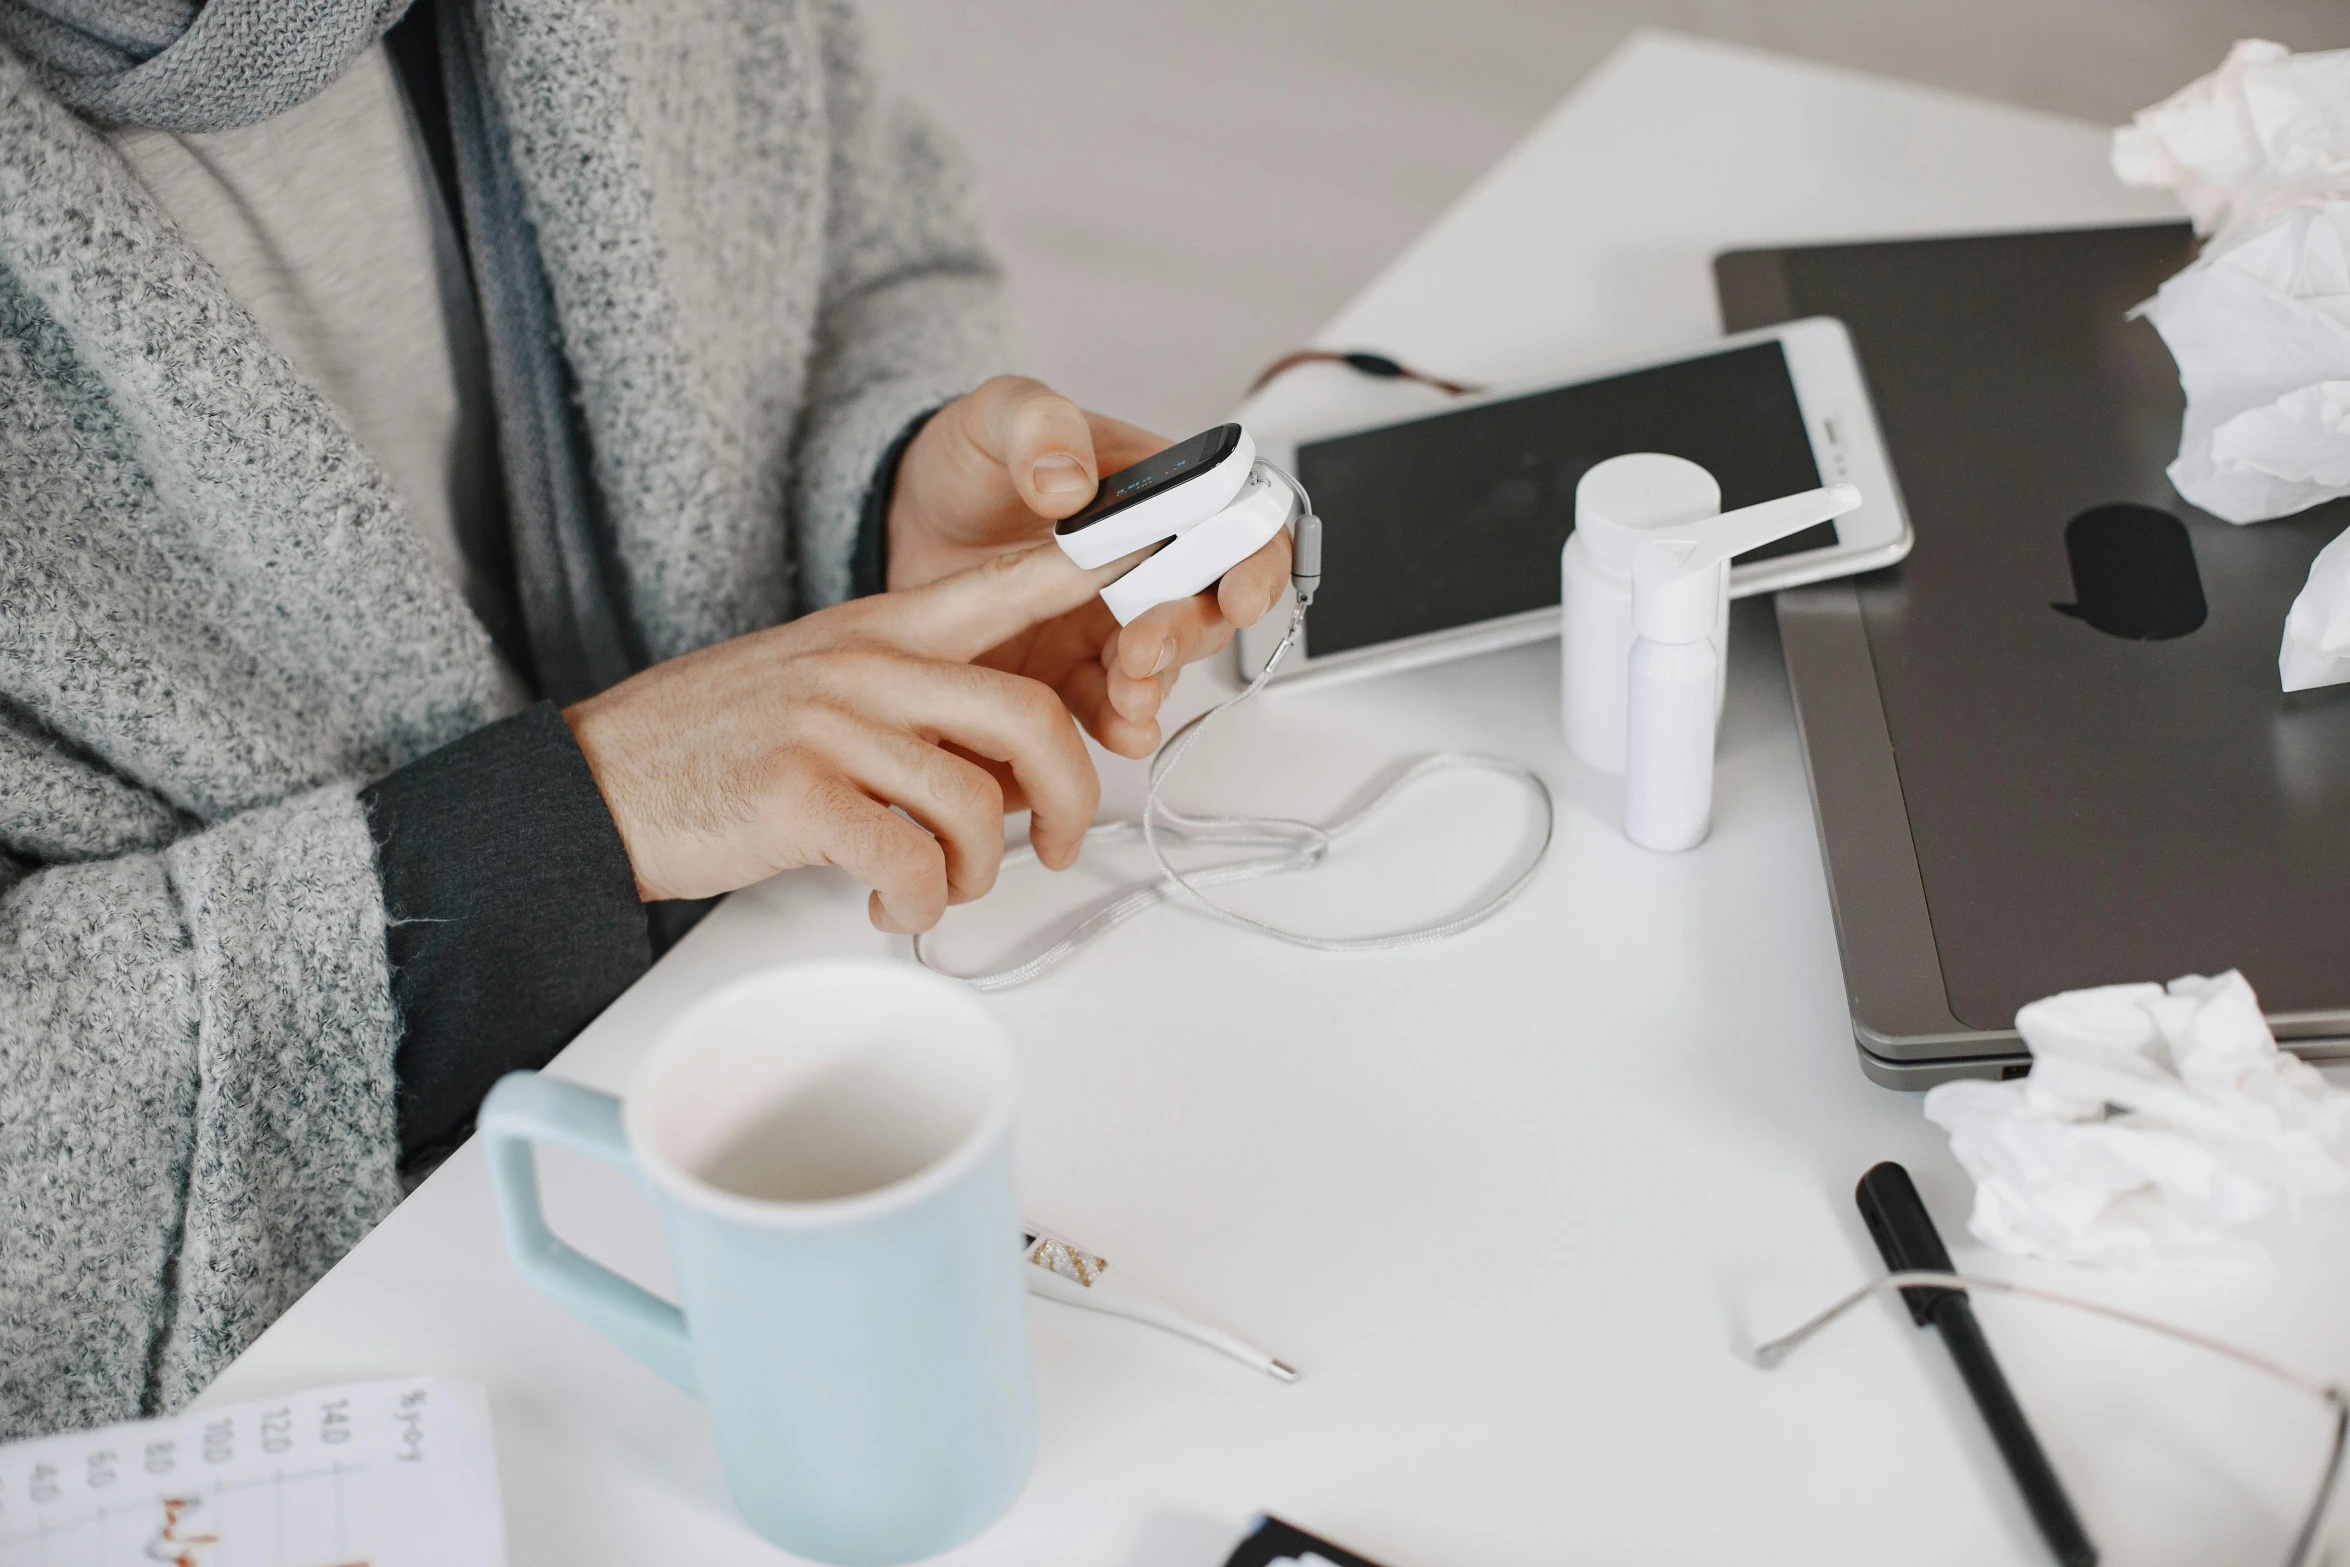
1160	471
1460	517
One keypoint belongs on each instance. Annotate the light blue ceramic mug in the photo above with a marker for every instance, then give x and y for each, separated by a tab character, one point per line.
830	1148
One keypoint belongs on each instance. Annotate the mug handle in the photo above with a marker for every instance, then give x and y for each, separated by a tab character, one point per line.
526	1108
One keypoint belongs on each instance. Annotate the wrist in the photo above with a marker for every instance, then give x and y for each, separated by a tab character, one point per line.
607	766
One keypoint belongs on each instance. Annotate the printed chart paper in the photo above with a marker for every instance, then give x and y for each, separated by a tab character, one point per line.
376	1474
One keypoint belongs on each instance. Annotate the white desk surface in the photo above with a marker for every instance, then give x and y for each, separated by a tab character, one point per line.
1510	1202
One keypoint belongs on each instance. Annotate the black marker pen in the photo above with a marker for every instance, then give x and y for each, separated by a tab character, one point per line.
1905	1234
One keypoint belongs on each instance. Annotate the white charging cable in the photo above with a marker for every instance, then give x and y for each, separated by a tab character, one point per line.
1295	845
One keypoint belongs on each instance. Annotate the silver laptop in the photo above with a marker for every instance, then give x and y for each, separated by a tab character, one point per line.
2048	750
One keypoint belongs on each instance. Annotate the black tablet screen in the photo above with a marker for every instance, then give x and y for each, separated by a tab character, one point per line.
1459	517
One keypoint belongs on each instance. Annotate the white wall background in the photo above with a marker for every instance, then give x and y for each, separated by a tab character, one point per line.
1185	188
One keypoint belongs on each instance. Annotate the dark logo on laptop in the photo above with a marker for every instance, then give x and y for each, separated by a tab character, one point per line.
2133	573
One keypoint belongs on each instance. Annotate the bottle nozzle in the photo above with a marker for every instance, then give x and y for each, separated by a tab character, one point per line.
1679	577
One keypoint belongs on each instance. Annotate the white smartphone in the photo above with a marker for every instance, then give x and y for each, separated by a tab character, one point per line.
1441	533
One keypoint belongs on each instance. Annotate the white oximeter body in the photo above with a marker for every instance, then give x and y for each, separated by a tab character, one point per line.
1203	552
1205	495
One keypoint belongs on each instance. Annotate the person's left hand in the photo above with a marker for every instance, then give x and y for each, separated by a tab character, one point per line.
992	471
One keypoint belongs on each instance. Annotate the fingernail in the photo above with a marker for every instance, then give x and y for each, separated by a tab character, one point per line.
1057	473
1166	655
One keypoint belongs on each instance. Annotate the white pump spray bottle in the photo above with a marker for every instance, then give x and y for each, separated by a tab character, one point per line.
1680	587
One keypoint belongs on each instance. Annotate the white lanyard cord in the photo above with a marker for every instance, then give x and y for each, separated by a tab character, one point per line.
1299	846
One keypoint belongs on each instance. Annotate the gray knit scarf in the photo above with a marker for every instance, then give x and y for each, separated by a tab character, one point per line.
213	65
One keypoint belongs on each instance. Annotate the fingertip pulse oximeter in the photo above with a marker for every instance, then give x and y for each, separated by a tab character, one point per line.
1209	498
1166	493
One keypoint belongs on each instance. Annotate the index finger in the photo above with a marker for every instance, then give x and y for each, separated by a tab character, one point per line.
958	618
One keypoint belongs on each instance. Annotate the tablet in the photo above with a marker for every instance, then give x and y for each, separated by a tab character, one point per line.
1442	533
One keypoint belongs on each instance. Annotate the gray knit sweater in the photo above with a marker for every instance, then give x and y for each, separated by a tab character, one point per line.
216	623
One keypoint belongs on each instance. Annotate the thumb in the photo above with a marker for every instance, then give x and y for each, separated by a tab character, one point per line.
958	618
1042	439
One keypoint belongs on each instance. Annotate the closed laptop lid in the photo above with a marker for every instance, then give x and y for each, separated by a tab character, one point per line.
2075	671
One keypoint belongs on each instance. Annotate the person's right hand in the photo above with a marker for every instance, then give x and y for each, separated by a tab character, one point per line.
788	747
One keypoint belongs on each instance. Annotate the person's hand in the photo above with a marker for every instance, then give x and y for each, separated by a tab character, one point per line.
992	471
788	747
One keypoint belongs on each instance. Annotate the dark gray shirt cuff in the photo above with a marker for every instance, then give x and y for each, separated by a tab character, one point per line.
512	908
869	567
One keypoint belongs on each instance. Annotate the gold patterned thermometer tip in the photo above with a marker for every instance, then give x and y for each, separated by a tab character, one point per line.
1058	1256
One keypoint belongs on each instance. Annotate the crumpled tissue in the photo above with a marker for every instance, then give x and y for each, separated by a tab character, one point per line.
2316	651
2161	1127
2259	153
